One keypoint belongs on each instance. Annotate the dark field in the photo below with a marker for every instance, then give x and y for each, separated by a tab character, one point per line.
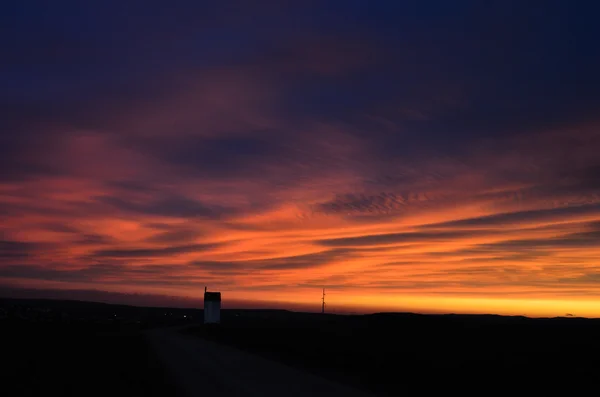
64	363
68	348
75	349
422	354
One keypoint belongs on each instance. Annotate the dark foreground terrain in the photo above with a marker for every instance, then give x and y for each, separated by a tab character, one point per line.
67	348
52	348
202	367
397	354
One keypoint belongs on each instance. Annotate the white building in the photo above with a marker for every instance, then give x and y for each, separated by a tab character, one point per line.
212	307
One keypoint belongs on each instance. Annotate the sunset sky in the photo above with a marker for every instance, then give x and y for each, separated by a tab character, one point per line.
425	156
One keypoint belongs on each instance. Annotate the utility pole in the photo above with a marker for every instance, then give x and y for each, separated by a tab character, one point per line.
323	304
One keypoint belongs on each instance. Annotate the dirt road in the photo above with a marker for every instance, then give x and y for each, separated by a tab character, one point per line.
204	368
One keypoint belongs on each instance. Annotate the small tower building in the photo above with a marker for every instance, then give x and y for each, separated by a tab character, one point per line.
212	307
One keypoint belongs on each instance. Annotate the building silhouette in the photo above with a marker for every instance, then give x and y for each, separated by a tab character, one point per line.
212	307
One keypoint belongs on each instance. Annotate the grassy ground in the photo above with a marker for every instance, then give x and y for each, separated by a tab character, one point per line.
394	354
56	360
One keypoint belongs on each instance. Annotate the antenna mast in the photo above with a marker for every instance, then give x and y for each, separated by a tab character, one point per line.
323	304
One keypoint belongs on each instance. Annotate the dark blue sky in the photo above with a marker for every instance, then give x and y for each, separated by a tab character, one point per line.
516	63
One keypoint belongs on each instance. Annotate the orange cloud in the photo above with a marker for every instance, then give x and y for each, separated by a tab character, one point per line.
215	182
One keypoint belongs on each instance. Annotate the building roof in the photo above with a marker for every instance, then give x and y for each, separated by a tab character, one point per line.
212	296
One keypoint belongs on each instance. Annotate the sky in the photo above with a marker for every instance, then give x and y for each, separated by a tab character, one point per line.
424	156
